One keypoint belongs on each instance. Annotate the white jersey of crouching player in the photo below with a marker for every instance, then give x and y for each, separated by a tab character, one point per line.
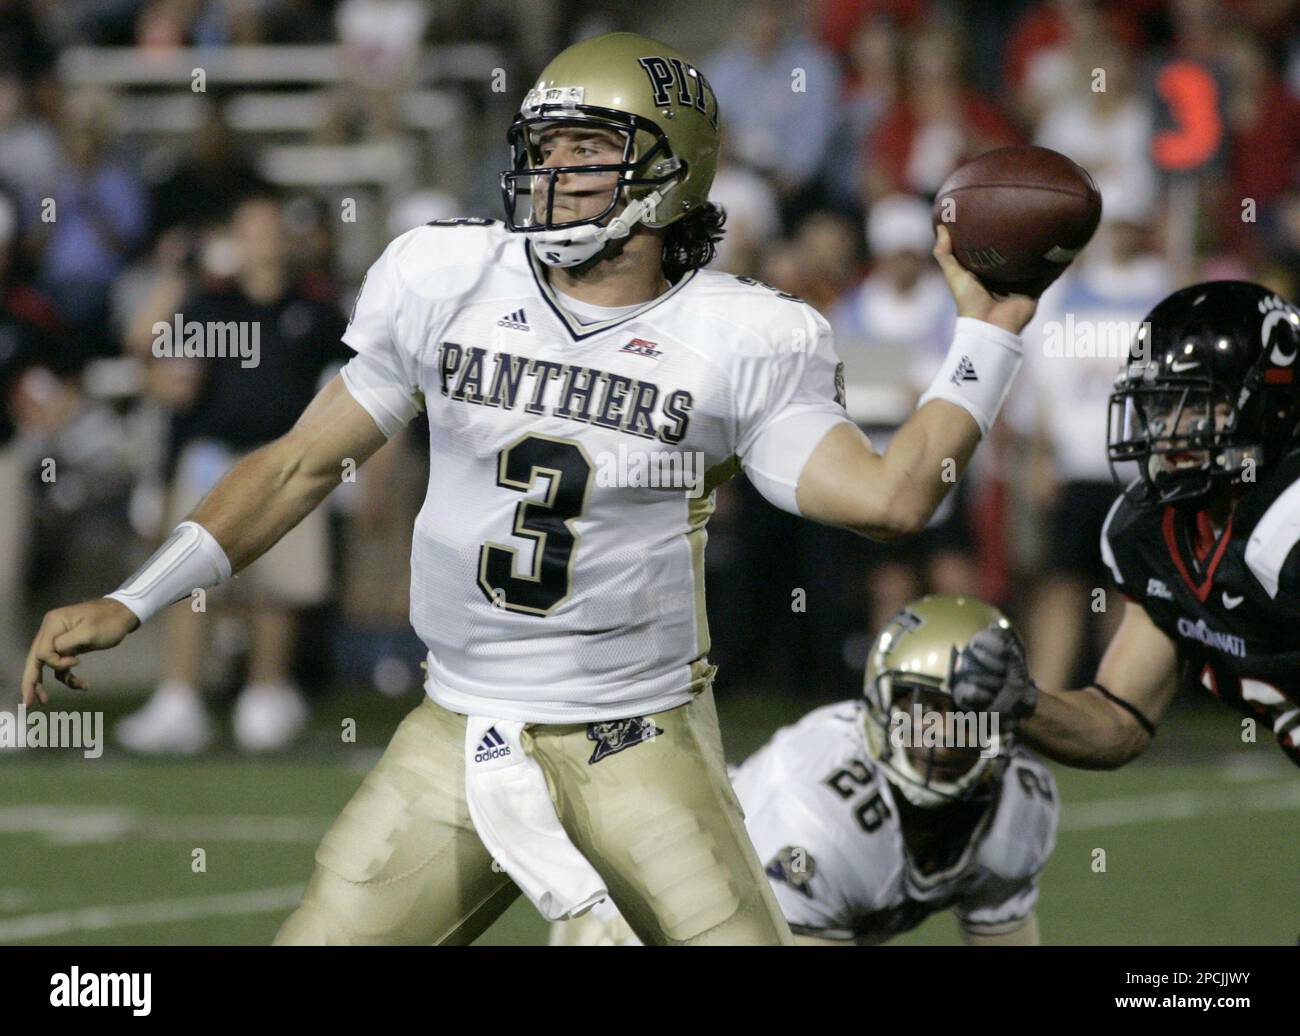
858	845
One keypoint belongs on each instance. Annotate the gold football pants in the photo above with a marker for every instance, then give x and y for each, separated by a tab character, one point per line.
657	819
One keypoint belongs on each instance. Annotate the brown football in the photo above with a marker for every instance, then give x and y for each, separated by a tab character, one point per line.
1018	216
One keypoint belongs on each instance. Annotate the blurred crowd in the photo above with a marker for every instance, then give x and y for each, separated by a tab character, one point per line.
841	120
1186	113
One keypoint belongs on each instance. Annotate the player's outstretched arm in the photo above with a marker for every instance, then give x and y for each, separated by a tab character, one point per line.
1110	722
1099	727
886	496
274	488
261	498
891	495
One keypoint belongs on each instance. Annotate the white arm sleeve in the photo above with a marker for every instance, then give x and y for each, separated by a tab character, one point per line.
383	376
788	400
779	454
379	389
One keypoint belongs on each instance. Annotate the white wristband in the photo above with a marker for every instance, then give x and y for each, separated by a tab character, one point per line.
189	560
978	370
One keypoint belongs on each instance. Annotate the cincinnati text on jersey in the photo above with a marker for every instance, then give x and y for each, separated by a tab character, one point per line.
1199	630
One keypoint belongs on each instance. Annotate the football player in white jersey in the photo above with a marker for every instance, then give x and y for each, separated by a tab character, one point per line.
864	832
587	384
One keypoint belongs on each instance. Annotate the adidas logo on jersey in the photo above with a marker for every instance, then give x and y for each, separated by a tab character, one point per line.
493	746
965	372
516	321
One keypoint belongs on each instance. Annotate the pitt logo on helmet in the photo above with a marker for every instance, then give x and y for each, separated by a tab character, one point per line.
664	72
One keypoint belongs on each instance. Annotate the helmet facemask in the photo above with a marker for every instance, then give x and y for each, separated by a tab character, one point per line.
646	170
1183	435
927	775
1209	394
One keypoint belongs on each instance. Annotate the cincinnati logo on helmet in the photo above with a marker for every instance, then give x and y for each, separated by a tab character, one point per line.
1275	310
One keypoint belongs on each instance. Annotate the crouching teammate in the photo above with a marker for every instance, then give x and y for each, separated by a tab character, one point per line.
866	827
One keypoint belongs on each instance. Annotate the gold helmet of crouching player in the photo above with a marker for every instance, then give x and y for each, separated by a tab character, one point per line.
656	100
909	676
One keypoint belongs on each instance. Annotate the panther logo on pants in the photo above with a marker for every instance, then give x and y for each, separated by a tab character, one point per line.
795	866
615	735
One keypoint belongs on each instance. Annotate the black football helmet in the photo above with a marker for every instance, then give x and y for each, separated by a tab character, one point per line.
1209	393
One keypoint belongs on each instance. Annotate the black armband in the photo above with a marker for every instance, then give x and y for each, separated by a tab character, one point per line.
1128	707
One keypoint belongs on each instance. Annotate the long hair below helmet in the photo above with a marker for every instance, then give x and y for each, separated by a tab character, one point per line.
692	242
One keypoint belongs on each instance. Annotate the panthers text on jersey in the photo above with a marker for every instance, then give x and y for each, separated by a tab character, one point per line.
558	560
1233	607
826	826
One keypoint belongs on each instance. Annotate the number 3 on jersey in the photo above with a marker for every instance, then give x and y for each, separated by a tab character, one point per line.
568	469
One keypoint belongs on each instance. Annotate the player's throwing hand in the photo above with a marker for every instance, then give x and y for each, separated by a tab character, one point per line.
64	634
1010	312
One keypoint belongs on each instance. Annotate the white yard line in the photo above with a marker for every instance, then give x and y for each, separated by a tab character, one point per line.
88	825
12	899
1246	767
79	825
160	911
73	824
1239	800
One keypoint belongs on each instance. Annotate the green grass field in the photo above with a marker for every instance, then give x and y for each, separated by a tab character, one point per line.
1202	837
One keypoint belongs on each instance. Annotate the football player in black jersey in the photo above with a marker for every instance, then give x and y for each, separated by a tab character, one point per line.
1203	542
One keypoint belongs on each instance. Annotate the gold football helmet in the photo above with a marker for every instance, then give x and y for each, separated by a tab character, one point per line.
908	687
667	115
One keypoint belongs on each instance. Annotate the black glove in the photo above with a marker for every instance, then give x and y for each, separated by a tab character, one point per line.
991	675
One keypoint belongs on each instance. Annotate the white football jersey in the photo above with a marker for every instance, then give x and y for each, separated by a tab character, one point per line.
558	560
826	826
